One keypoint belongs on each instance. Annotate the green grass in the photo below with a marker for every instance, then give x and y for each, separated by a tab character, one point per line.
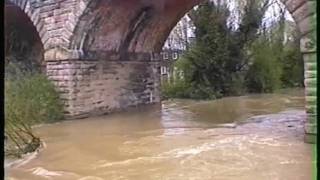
29	99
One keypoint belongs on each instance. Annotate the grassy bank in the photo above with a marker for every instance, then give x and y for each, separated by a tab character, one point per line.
30	98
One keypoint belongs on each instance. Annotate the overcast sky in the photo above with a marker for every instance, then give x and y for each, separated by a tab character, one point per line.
271	13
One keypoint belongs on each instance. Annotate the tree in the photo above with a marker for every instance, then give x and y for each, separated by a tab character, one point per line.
216	63
276	61
265	72
229	58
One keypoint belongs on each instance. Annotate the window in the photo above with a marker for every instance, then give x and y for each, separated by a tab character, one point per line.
175	55
163	70
165	55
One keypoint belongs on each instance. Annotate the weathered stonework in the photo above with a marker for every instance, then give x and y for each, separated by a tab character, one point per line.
93	87
76	34
310	66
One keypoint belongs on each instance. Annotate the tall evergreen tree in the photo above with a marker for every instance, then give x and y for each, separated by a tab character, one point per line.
216	62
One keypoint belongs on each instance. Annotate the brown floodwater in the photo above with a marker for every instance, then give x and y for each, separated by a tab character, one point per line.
254	137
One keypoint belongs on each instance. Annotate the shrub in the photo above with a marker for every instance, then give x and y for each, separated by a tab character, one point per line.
177	89
292	63
265	72
29	99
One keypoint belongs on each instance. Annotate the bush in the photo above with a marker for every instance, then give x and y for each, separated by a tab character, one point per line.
177	89
237	85
265	72
292	63
29	99
198	91
181	89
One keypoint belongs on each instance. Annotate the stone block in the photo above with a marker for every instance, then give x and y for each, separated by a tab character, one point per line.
310	74
312	100
308	44
304	11
293	5
310	82
311	91
312	109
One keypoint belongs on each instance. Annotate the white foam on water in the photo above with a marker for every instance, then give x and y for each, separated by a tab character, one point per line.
20	162
26	158
174	153
288	162
193	151
39	171
91	178
129	161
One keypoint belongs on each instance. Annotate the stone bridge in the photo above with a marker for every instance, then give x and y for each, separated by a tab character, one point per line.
102	54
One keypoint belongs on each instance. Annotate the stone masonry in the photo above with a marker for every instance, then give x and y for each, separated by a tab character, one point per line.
93	87
101	54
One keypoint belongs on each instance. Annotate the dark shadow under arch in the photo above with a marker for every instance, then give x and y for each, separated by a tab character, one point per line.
22	41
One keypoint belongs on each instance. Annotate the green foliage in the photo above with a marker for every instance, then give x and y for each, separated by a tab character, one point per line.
39	97
293	69
29	99
178	89
251	20
209	57
275	64
224	61
181	89
213	66
265	72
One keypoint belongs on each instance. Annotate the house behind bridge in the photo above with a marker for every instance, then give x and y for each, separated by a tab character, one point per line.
169	57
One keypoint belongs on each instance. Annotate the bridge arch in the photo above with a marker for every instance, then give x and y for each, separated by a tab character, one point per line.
23	40
122	25
33	14
143	26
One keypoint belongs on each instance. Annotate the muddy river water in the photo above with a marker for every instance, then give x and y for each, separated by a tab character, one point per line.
254	137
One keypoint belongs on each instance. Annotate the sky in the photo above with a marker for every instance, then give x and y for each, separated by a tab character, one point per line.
273	11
